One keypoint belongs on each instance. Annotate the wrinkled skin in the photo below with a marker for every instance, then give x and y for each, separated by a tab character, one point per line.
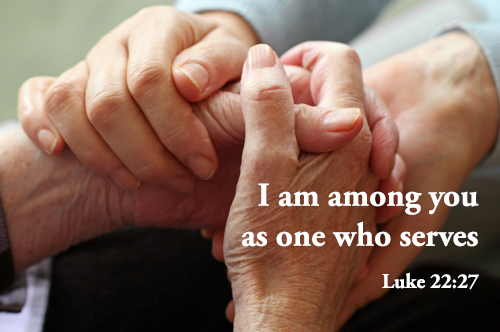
444	100
291	288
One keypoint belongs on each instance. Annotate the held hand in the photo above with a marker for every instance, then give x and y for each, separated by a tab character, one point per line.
129	100
445	104
328	61
41	186
291	288
331	78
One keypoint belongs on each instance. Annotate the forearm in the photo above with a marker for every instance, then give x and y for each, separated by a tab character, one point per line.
44	200
487	37
463	69
453	96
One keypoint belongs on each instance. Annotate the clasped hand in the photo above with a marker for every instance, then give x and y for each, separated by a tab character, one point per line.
326	75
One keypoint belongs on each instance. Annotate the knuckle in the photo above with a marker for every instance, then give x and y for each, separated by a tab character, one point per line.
349	54
29	82
25	113
146	77
349	95
168	14
60	95
339	52
364	142
102	106
173	133
152	170
148	12
30	121
267	92
273	161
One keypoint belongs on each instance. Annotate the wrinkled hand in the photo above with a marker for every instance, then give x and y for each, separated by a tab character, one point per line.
292	288
445	104
326	73
82	196
129	99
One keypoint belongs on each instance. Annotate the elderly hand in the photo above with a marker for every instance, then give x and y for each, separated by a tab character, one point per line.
444	100
292	288
318	130
78	205
327	74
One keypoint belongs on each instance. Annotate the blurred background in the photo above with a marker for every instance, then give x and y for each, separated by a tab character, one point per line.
47	37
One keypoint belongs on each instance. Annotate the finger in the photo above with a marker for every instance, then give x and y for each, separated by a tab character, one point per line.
385	134
119	121
205	67
337	126
317	129
392	184
384	130
149	80
336	78
300	80
217	245
207	234
34	120
267	105
230	311
65	106
321	130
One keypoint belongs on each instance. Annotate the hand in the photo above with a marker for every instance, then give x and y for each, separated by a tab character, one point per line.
129	100
443	98
293	288
325	70
70	204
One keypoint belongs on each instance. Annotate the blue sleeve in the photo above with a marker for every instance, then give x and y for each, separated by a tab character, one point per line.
285	23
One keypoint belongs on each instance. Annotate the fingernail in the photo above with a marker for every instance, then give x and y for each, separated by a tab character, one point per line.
196	74
48	140
341	120
125	179
261	56
182	184
201	166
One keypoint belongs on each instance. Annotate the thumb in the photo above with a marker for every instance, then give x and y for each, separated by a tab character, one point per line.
34	120
318	129
271	150
205	67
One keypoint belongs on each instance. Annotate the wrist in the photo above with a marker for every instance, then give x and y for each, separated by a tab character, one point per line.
462	72
235	24
284	304
50	203
280	312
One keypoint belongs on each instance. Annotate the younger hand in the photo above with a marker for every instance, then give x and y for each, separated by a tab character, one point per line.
125	110
444	100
